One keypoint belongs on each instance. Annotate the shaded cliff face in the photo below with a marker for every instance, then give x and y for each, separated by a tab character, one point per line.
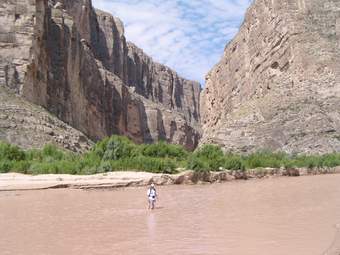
76	63
22	123
278	83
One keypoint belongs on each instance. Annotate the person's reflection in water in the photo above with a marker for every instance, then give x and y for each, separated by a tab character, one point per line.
151	222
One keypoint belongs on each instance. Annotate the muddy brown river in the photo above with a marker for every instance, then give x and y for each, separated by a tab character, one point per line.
278	216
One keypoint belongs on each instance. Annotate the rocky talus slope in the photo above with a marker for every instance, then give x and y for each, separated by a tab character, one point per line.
31	126
75	62
278	84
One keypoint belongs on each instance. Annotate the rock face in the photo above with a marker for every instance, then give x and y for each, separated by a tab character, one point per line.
75	62
16	34
278	84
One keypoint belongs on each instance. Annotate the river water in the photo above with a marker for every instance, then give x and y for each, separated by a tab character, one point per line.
298	215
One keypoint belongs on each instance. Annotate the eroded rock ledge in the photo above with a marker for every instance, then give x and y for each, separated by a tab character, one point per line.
14	181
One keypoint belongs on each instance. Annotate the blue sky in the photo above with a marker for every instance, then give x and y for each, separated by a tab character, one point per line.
187	35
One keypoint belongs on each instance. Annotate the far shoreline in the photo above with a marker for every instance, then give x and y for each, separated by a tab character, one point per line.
122	179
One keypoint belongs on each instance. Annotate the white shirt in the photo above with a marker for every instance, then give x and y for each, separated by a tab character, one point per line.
152	193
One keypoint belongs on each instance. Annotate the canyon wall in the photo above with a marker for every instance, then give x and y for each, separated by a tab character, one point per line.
21	122
277	86
75	62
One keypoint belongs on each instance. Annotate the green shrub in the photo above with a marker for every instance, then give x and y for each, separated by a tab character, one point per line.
10	152
331	160
265	159
233	162
312	162
118	147
164	150
87	170
198	164
56	167
288	163
207	158
35	155
209	152
90	159
68	167
42	168
100	148
253	162
5	166
155	165
50	152
308	161
20	166
169	167
142	163
105	167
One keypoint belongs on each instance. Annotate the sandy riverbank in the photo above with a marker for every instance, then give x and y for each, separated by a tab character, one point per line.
15	181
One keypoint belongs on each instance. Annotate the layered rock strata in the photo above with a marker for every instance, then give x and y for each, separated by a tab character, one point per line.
277	86
75	62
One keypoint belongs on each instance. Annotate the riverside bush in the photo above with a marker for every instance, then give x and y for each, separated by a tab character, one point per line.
119	153
264	159
198	164
164	150
331	160
51	152
118	147
20	166
207	158
142	163
11	153
105	167
5	166
233	162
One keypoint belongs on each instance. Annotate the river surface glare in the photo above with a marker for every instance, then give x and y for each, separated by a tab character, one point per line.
298	215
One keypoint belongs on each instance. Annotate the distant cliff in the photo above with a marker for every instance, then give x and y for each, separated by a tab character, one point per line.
75	62
277	86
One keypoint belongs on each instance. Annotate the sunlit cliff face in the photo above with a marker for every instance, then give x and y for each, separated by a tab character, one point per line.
277	85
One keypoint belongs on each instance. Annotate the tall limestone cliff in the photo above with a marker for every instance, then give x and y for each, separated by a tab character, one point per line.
21	122
278	84
75	62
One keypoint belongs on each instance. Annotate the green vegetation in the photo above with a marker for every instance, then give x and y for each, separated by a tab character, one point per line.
120	153
115	153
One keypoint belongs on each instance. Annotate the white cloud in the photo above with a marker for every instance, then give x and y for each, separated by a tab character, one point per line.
187	35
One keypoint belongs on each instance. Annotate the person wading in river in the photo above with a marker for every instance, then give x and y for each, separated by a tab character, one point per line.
152	195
